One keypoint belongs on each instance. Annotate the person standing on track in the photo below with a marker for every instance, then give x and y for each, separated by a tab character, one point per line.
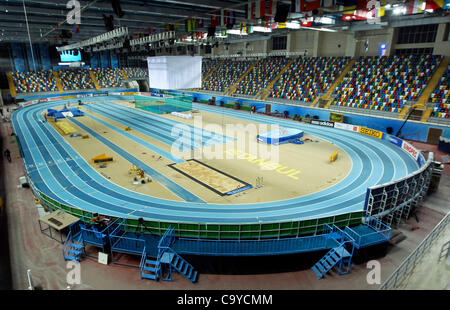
8	155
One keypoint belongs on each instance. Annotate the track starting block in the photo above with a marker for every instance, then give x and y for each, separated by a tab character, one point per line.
101	159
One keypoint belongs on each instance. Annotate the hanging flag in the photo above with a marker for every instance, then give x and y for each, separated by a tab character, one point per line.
309	5
327	3
271	7
379	12
77	28
296	6
222	18
415	6
258	9
355	10
307	21
215	19
366	45
433	4
349	6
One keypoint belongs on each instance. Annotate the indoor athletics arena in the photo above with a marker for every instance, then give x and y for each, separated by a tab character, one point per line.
225	145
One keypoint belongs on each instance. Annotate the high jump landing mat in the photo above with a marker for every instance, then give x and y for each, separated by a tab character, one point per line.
280	136
213	179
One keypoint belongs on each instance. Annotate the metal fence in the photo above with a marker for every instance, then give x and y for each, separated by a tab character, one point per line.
411	261
393	201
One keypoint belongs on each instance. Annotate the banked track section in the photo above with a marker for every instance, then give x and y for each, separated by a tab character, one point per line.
59	172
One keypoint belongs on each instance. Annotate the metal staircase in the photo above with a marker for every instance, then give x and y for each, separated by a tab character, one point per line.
149	269
167	261
73	247
339	256
181	265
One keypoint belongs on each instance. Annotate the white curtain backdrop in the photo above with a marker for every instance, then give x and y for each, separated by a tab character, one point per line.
175	72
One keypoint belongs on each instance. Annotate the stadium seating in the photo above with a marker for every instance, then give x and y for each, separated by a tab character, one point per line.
441	97
75	79
136	72
385	83
261	75
208	65
108	77
307	77
226	75
40	81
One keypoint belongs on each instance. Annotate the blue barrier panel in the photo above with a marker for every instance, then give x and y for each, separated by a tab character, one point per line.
17	55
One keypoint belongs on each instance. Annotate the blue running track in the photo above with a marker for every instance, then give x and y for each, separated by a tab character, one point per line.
59	172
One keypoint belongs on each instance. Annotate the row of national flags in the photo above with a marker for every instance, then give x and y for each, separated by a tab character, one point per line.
418	6
265	11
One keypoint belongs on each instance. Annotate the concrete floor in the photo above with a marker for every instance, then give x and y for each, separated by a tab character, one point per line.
429	273
30	249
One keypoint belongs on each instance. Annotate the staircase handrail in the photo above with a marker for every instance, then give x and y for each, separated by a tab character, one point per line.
384	229
111	227
67	243
373	222
354	235
74	227
141	264
167	238
123	222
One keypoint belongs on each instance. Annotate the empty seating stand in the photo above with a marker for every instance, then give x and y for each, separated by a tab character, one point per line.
108	77
225	75
308	77
135	72
30	82
440	98
261	75
74	79
385	83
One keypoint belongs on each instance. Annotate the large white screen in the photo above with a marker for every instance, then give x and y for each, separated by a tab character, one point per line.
175	72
